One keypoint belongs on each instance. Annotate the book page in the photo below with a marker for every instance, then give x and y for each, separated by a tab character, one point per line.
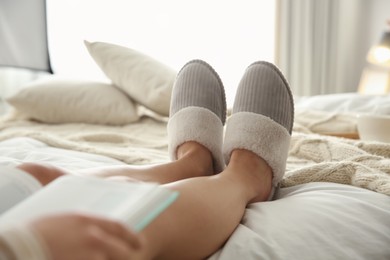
15	186
135	204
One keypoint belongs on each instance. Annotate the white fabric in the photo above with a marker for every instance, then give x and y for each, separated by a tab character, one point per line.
317	48
22	149
320	122
74	101
345	103
314	221
143	78
142	142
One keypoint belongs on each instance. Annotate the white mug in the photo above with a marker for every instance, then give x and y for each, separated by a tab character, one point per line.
374	127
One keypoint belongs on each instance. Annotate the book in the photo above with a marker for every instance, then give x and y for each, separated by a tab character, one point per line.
135	204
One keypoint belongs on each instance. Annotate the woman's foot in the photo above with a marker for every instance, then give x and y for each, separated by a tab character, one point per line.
198	111
196	158
262	119
253	172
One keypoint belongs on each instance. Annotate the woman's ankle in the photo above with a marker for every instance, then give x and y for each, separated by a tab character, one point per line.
254	172
197	158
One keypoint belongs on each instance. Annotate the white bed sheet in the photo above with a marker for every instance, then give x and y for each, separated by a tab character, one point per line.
308	221
24	149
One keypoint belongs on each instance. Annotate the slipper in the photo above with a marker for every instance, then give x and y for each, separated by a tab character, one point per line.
262	118
198	111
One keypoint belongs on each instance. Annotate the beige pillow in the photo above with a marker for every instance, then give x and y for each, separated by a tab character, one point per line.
74	101
143	78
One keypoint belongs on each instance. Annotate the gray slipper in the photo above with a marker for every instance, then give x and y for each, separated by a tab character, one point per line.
198	111
262	118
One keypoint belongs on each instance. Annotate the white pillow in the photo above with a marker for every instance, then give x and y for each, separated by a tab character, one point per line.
143	78
74	101
345	103
317	220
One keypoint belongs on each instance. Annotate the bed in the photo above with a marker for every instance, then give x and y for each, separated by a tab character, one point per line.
333	202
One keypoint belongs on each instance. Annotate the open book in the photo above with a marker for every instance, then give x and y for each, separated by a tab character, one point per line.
135	204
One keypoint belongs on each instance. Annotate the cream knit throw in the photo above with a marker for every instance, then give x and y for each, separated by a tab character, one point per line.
312	157
317	158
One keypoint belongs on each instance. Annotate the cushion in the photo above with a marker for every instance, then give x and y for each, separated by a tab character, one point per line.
345	103
74	101
143	78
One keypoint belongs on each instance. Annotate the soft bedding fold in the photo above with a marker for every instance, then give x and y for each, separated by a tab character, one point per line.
143	142
318	158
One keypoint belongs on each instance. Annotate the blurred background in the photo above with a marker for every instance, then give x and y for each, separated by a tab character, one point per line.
320	45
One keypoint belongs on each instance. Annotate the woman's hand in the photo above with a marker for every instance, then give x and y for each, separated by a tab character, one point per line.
80	237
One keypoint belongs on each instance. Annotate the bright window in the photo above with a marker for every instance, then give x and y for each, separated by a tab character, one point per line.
228	34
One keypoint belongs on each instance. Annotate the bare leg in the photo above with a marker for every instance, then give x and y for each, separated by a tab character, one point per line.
44	173
208	209
184	167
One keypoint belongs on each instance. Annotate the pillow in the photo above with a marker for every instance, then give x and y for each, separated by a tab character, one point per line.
317	220
143	78
73	101
345	103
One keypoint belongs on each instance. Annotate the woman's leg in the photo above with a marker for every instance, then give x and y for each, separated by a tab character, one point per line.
43	172
184	167
208	209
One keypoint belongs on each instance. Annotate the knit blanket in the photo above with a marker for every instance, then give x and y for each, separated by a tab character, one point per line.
140	143
313	157
319	158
